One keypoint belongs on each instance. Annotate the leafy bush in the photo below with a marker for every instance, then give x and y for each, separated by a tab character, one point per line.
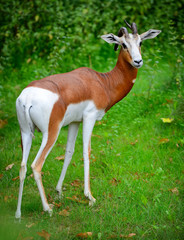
60	30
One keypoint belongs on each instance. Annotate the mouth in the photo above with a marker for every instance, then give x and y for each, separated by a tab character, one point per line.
137	65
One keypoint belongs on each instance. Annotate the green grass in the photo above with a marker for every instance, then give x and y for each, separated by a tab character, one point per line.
136	176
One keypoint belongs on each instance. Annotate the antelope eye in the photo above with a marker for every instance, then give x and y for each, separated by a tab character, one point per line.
124	46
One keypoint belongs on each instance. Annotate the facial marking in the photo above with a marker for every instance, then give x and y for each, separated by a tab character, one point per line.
132	43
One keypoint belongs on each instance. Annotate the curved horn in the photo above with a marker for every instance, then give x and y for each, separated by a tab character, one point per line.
121	32
133	27
128	24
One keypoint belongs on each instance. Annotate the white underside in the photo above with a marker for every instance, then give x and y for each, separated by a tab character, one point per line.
75	112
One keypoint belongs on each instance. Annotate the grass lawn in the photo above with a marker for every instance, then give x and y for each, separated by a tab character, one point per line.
137	170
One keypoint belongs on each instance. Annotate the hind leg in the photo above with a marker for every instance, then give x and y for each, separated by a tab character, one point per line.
26	145
48	140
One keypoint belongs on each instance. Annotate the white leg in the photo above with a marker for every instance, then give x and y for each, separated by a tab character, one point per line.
46	146
37	173
26	145
88	124
72	134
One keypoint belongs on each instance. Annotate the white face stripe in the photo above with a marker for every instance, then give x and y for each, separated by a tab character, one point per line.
133	43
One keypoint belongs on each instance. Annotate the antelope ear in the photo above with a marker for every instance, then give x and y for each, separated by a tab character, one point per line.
111	38
152	33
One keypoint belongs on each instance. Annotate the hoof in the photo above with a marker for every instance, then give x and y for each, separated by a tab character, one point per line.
18	215
50	210
92	202
60	194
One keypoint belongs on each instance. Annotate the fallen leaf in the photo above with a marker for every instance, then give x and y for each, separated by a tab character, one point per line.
169	100
115	182
133	143
14	179
174	190
5	198
50	199
76	199
98	136
75	183
30	225
128	236
3	123
62	157
58	205
74	164
84	235
22	238
1	176
9	166
44	234
167	120
164	140
64	213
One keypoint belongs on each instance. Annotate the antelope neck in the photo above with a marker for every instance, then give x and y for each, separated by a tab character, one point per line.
120	80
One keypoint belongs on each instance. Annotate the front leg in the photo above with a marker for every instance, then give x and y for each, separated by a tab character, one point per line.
72	134
88	124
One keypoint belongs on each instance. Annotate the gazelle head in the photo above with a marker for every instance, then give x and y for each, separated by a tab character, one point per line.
130	42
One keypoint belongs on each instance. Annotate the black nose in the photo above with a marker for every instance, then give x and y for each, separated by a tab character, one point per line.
137	61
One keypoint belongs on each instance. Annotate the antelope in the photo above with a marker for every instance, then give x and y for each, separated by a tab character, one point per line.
82	95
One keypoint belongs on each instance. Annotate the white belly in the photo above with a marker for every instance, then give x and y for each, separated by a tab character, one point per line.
75	112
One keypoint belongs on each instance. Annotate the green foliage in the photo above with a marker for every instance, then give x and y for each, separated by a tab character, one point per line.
52	29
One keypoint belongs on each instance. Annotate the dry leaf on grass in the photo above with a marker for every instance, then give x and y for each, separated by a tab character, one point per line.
30	225
62	157
76	199
133	143
6	198
84	235
75	183
164	140
58	205
64	213
115	182
9	167
3	123
130	235
16	178
44	234
1	176
26	238
174	190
